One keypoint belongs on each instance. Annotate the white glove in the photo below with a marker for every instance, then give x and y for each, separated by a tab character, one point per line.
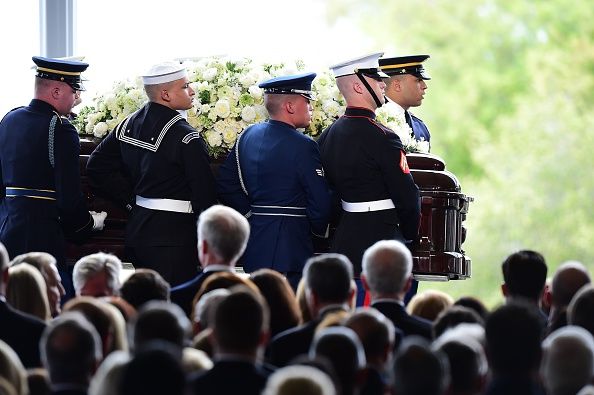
98	219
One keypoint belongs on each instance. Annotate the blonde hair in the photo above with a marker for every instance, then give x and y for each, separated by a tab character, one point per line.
429	304
12	369
26	291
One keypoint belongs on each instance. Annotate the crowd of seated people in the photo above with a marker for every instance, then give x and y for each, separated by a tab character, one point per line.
252	334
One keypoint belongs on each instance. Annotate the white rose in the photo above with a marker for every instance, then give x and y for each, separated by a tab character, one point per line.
100	129
213	138
219	127
248	114
204	108
255	92
209	74
229	137
222	108
331	108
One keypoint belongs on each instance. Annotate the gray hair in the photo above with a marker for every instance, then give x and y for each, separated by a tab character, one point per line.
90	265
206	303
568	360
299	379
225	230
387	266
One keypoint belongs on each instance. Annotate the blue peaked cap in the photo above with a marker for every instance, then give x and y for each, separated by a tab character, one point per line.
68	71
298	84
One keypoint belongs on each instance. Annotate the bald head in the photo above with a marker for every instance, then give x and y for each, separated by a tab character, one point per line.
568	279
356	93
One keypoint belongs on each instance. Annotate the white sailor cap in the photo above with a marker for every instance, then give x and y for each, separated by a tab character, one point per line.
367	65
164	72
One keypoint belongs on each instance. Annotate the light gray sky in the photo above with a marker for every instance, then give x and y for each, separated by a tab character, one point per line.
121	38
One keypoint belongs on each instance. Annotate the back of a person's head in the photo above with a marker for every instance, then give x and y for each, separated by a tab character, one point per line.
107	378
201	313
239	321
95	311
154	370
569	277
26	291
70	349
159	320
468	364
513	334
299	380
418	370
329	277
91	266
225	230
524	274
473	303
219	280
12	369
568	360
581	309
342	347
428	304
375	331
276	290
144	285
37	259
4	261
454	316
387	265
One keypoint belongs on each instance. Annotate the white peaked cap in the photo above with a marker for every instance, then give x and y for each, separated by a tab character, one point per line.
360	63
164	72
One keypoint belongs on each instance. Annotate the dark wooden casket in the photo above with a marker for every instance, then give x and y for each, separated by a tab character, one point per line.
437	254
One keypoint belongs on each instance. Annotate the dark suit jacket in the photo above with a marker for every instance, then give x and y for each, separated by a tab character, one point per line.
21	332
183	294
230	377
410	325
290	343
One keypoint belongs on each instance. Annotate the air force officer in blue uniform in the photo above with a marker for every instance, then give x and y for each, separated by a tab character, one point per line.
40	196
274	176
405	88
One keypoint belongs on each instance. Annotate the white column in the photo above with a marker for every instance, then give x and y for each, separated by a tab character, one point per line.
57	22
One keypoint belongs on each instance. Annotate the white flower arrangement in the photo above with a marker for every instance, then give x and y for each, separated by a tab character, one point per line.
394	119
227	101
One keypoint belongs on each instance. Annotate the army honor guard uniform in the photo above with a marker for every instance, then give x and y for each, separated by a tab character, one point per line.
274	177
408	65
40	196
155	164
366	165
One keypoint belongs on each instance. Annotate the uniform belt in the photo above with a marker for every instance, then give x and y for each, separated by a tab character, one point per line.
178	206
46	194
283	211
375	205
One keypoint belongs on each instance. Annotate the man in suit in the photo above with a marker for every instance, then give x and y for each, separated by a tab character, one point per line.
328	288
240	332
274	177
20	331
405	88
71	352
387	276
365	164
222	237
156	165
40	196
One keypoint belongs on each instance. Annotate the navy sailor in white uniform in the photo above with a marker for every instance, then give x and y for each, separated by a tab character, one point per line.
155	164
274	176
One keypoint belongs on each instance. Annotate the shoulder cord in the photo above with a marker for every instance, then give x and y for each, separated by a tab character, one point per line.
239	165
50	142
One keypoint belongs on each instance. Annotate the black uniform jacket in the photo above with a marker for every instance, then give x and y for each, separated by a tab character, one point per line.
364	161
40	196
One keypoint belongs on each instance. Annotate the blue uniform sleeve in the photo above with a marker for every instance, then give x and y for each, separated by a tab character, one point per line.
401	187
229	187
106	172
72	207
199	175
317	193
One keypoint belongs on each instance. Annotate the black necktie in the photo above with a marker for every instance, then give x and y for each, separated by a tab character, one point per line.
409	122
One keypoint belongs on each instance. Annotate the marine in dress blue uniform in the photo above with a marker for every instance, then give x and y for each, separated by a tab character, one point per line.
408	90
155	164
40	195
274	176
366	165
